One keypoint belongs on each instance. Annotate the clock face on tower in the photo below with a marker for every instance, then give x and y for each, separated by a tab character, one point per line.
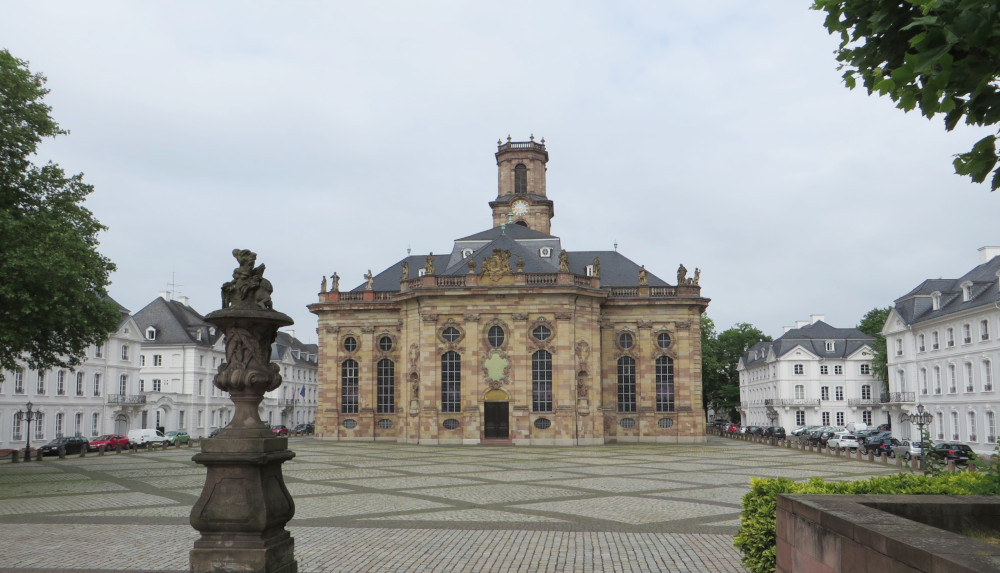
519	207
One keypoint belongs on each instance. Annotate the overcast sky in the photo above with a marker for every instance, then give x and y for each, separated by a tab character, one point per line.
332	136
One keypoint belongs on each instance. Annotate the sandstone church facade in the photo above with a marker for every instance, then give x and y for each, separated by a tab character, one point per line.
510	338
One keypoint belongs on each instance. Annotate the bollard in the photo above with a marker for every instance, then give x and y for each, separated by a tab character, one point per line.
950	466
62	452
13	457
118	448
100	449
190	443
83	452
38	455
885	458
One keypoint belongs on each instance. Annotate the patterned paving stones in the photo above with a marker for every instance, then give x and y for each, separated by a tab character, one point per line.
388	507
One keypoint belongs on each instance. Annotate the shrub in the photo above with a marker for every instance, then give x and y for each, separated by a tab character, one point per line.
756	537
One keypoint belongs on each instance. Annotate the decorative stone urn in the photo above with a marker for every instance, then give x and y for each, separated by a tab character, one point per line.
245	505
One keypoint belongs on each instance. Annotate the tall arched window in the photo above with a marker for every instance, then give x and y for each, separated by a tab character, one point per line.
520	179
664	384
541	381
349	387
123	384
385	386
451	382
626	384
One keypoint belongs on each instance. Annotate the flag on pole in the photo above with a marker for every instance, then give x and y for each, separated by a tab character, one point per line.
302	392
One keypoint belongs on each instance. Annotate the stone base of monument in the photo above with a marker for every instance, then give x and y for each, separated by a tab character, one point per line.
244	505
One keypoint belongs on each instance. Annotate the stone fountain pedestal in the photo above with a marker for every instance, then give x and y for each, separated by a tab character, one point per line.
245	505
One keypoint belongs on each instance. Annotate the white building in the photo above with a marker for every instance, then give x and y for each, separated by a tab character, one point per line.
86	401
942	343
812	374
295	401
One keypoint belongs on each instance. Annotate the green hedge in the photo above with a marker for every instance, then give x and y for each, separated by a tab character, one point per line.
756	537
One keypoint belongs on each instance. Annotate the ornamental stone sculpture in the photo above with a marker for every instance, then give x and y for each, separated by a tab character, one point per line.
244	504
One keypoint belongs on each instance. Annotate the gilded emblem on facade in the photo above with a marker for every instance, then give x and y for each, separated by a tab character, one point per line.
497	265
496	368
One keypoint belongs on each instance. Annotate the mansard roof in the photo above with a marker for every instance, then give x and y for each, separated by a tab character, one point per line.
813	338
176	323
286	344
917	305
615	269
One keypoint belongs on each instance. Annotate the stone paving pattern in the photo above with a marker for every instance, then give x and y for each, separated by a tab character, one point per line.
390	507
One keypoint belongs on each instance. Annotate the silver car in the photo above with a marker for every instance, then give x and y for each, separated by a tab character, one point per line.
908	450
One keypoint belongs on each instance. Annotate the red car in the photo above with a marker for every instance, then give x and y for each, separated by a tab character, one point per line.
109	441
279	430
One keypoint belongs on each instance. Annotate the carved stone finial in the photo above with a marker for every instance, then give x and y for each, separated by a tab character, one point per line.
682	273
322	285
697	275
520	264
508	138
369	280
472	266
563	261
597	267
532	138
248	289
405	275
335	279
429	265
643	278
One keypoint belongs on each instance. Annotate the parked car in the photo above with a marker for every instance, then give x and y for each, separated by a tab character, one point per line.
874	436
304	429
884	427
109	441
844	441
880	446
214	432
279	430
800	430
774	432
908	449
143	436
953	452
175	437
72	445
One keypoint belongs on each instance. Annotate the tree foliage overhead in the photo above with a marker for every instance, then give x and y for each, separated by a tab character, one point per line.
53	298
871	324
941	56
721	354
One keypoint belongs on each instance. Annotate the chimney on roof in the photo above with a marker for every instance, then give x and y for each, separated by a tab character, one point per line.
801	323
986	254
814	318
165	294
183	300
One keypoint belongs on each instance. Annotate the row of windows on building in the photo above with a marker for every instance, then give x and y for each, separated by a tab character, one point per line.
953	382
541	384
953	431
61	382
925	343
838	392
496	337
39	424
838	369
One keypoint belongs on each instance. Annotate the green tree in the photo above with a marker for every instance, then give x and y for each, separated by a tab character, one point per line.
872	324
53	298
942	56
721	354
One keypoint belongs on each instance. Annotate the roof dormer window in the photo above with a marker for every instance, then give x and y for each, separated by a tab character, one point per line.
590	270
936	300
421	272
151	333
545	252
831	346
466	253
966	291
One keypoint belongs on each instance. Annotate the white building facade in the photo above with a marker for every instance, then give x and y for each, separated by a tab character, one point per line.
814	374
942	344
82	401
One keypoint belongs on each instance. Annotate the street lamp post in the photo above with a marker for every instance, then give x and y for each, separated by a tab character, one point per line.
921	419
28	416
772	415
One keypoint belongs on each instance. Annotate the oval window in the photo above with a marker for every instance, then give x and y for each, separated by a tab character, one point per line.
495	336
350	344
451	334
627	423
543	423
350	424
625	340
385	343
665	422
450	424
385	423
663	340
541	332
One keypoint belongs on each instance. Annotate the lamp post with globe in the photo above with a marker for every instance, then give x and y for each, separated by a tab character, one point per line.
28	417
921	419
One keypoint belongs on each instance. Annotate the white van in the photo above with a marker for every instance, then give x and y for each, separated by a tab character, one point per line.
855	427
144	436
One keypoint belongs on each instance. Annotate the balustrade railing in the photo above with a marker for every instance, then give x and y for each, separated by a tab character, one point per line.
126	398
897	397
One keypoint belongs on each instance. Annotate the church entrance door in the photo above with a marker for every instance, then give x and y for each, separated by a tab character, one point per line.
497	422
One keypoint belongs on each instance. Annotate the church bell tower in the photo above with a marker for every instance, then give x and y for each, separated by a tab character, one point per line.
521	198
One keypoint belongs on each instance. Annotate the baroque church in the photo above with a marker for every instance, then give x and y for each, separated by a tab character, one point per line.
511	338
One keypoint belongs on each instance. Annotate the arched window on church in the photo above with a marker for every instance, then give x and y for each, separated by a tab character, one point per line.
664	384
520	179
385	386
541	381
451	382
626	384
349	387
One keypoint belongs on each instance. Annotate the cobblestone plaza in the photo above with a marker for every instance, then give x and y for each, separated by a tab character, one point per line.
390	507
